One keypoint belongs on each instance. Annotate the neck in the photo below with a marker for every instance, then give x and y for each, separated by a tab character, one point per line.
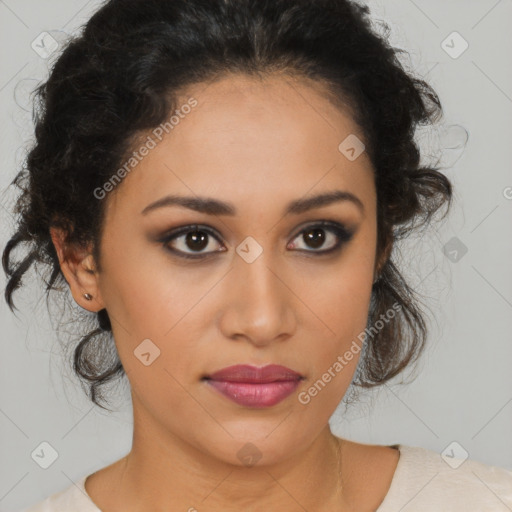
162	472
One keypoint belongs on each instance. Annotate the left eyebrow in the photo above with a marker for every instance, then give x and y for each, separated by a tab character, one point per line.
211	206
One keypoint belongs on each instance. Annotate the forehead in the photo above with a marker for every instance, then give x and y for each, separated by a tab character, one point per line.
276	115
251	137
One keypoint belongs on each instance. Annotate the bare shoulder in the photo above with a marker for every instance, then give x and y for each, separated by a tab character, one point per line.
363	456
367	472
99	485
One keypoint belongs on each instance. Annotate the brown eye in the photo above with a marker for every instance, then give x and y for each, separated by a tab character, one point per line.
191	242
314	238
319	235
196	240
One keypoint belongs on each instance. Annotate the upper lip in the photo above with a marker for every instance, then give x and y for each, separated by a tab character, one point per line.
254	374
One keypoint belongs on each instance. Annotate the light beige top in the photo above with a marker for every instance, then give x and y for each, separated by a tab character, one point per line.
423	482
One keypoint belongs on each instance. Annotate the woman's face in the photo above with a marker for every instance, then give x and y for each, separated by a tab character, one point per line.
261	286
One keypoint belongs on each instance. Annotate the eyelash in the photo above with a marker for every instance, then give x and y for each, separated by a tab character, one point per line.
343	234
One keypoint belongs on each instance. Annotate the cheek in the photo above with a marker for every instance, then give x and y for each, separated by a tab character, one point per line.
331	367
158	318
146	292
340	301
157	345
333	354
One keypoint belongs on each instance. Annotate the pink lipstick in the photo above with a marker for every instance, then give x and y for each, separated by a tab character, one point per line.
251	386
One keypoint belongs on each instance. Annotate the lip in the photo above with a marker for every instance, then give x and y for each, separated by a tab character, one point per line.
251	386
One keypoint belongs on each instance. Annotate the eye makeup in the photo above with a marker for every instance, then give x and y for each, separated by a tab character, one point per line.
202	235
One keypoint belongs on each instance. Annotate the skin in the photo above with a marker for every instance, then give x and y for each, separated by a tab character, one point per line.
257	144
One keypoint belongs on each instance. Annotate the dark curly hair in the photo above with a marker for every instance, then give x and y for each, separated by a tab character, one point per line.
121	76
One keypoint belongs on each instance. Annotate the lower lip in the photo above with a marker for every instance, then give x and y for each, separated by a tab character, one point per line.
255	395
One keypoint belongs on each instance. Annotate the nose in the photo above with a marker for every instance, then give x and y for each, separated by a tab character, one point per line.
259	303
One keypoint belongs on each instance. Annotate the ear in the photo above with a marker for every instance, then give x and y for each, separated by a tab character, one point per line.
79	269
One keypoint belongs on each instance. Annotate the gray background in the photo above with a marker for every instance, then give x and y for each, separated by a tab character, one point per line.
463	389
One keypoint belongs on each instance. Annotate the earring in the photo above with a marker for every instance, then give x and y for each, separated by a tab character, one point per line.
88	296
